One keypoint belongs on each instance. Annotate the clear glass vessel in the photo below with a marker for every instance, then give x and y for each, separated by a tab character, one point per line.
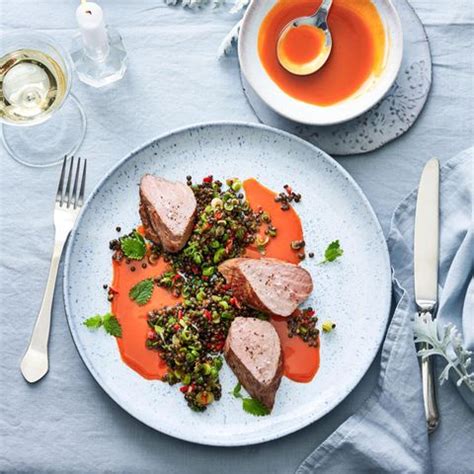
41	121
96	69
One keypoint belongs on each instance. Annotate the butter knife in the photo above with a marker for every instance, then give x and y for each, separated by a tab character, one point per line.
426	258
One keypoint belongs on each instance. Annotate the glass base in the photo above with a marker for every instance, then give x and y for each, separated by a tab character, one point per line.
101	72
46	144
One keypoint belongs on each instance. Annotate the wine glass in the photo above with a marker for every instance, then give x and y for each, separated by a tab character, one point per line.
41	120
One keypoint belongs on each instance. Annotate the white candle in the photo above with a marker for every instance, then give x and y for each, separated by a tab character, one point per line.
90	19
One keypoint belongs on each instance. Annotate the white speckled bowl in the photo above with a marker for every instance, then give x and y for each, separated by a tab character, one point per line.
369	94
355	291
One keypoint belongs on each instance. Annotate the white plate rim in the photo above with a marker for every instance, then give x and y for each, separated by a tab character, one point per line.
179	434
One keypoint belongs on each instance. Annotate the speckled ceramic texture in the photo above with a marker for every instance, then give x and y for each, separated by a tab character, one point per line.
355	291
389	119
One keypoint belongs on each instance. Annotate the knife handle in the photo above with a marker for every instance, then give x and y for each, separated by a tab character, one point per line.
429	392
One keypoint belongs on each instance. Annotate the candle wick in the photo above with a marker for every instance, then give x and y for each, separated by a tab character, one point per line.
89	12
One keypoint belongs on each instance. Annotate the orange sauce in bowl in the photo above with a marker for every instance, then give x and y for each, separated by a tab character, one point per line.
358	49
302	44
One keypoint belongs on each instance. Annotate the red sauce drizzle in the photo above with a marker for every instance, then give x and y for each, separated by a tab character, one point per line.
301	362
133	318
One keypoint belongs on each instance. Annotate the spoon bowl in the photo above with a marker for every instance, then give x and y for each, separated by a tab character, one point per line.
314	26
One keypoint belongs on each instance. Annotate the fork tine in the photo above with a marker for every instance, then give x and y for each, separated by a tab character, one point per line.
83	185
59	193
76	179
68	185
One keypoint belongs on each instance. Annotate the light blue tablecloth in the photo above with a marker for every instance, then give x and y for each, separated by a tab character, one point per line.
388	434
66	422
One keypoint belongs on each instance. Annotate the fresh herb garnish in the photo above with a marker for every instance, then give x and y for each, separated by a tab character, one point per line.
133	246
111	325
445	342
108	321
250	405
142	291
94	322
332	252
254	407
236	391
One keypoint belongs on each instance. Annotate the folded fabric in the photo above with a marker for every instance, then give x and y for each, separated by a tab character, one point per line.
388	434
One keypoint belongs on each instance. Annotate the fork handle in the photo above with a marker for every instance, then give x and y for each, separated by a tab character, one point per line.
34	364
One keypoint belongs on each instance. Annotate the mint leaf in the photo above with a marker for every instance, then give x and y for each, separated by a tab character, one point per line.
254	407
236	391
250	405
133	246
332	252
142	291
108	321
111	325
94	322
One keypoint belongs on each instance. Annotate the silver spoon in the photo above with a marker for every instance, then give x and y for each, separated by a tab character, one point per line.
318	20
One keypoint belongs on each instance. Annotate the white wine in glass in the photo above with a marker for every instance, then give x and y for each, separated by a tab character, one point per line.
35	79
32	86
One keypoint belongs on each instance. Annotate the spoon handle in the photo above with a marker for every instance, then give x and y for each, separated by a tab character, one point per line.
323	10
326	5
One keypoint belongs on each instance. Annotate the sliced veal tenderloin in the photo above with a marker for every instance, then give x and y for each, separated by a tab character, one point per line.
167	210
267	284
253	351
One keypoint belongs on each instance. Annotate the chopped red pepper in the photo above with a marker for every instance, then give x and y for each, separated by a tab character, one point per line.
229	244
177	277
218	215
180	314
207	314
112	290
151	334
184	388
176	327
219	347
235	302
207	179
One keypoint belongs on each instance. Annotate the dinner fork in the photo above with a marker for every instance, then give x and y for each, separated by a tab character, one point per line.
34	364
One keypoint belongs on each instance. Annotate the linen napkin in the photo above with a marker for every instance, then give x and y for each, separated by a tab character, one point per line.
388	434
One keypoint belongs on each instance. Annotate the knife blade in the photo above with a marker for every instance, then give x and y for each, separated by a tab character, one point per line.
426	260
426	250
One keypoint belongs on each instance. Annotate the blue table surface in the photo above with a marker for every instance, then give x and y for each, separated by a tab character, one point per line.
66	422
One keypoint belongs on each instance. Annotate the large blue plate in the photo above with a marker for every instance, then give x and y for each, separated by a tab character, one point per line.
355	291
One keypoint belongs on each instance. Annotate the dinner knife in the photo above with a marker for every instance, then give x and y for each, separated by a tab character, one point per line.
426	258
